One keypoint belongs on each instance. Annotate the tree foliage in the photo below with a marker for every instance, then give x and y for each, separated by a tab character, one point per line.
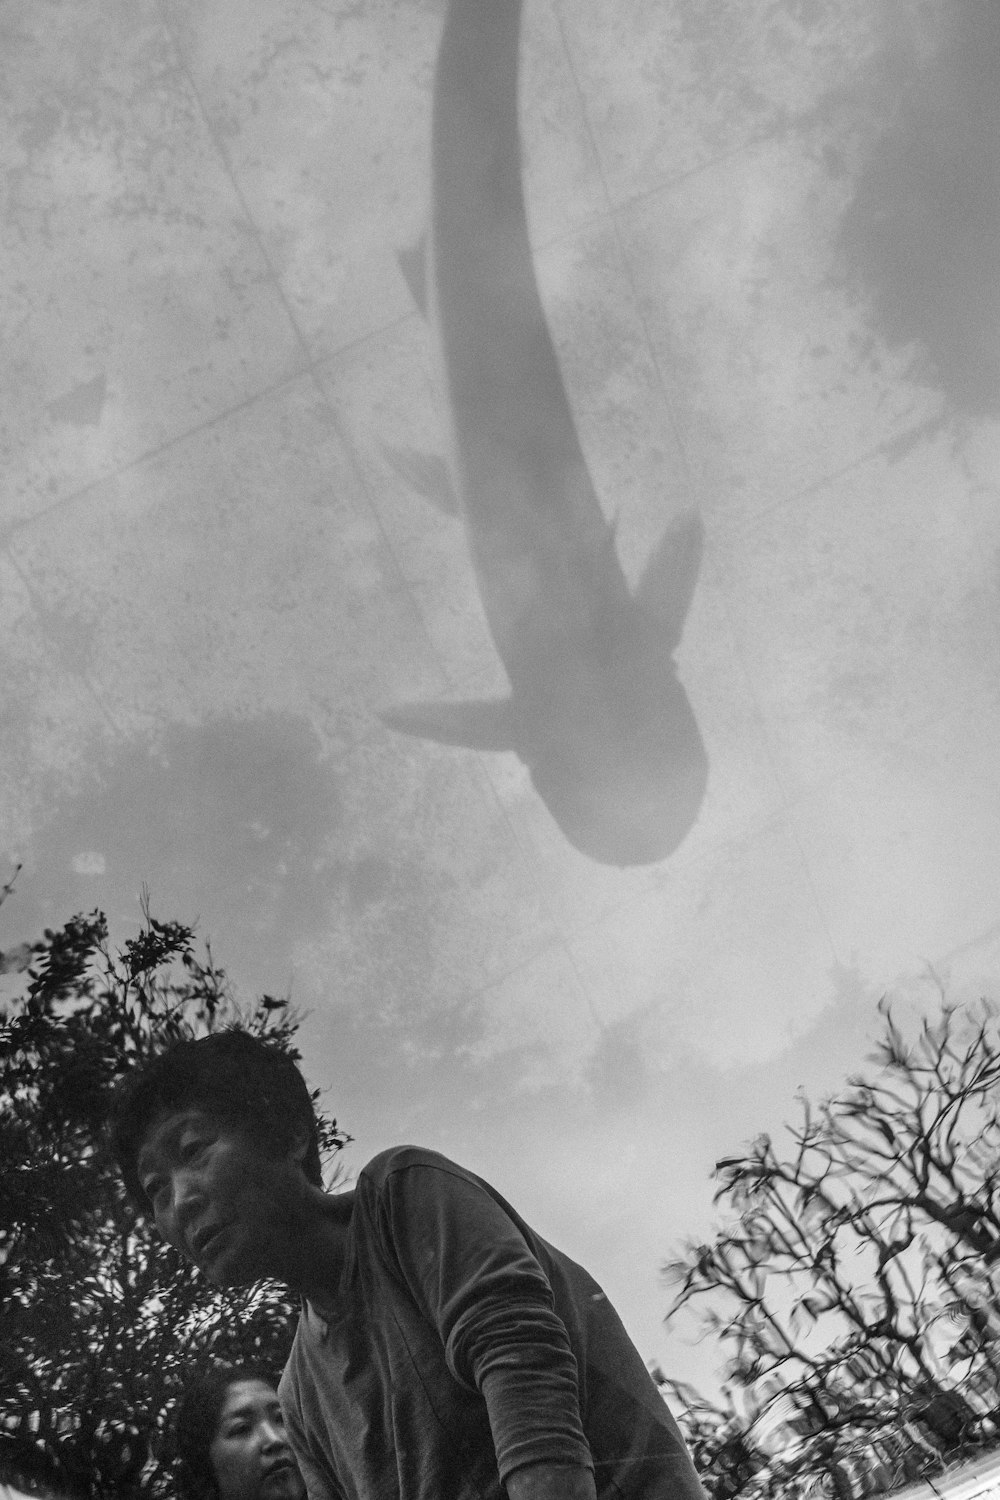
100	1323
855	1276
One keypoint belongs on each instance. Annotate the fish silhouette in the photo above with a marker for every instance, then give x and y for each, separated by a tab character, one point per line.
596	710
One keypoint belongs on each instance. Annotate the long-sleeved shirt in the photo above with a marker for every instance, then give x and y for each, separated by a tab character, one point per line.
462	1346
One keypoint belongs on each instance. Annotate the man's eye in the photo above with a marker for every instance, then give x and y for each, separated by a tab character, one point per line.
153	1188
190	1150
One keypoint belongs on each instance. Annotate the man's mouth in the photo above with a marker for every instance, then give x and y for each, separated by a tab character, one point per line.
205	1238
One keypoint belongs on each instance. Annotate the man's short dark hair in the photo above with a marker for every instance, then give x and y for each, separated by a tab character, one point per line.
196	1424
236	1078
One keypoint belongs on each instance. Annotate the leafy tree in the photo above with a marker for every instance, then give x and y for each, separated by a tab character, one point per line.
717	1436
857	1269
100	1323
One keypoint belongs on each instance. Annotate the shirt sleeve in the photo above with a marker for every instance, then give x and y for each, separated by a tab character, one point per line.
319	1484
473	1275
318	1487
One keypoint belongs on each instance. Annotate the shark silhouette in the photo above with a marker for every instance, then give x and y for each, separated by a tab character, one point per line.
596	710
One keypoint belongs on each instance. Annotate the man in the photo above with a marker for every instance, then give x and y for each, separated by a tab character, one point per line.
444	1349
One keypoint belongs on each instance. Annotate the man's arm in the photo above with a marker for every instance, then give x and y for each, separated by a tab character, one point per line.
319	1485
551	1482
475	1278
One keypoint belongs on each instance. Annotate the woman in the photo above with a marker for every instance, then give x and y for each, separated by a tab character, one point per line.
231	1442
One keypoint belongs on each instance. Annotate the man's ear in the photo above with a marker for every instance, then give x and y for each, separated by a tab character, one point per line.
298	1148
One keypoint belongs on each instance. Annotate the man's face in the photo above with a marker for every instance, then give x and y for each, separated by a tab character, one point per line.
250	1454
218	1198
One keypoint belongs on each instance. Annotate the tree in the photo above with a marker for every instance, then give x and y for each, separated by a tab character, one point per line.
717	1436
100	1323
856	1274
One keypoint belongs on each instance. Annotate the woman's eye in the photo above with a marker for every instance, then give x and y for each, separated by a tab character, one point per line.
190	1150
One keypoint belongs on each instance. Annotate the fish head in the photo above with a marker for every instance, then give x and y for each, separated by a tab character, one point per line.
625	790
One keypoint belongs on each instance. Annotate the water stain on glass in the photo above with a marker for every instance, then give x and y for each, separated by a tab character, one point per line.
921	234
83	405
228	822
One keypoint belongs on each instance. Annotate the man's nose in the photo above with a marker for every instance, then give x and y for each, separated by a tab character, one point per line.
187	1199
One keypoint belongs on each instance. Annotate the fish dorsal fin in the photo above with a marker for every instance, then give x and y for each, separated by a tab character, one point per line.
669	577
427	474
413	264
484	725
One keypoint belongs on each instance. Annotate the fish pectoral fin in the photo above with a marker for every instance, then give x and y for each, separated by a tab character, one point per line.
413	263
426	473
484	725
670	575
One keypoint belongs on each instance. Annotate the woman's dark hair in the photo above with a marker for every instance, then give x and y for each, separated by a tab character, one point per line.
196	1423
232	1076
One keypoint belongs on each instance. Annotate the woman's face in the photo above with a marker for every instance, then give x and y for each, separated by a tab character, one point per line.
250	1454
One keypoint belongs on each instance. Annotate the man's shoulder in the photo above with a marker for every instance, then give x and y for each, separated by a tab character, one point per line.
400	1158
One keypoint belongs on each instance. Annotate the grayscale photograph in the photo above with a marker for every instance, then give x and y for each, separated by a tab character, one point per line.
500	782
